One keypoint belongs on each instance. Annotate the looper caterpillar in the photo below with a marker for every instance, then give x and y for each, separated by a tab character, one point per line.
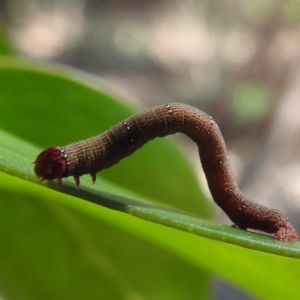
102	151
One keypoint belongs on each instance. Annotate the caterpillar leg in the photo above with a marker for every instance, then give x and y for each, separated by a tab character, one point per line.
77	180
93	177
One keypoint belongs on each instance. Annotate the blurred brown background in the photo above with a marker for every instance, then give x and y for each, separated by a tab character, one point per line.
237	60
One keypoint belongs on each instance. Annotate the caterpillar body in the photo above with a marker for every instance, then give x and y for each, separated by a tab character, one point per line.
97	153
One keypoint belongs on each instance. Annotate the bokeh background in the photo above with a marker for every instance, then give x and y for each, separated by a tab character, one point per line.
237	60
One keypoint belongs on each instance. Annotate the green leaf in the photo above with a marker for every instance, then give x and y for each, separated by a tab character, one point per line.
54	245
5	47
50	250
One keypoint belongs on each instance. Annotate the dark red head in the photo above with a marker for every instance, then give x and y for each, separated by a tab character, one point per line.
50	164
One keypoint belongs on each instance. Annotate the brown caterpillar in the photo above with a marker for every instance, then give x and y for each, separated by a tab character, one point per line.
123	139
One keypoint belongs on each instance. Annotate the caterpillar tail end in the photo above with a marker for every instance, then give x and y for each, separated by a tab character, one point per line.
50	165
287	233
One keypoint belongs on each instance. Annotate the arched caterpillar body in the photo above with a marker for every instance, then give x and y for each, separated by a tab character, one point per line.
123	139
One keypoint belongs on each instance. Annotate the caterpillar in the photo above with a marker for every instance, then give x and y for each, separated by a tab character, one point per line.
97	153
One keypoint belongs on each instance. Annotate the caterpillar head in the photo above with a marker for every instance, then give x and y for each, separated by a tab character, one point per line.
50	164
